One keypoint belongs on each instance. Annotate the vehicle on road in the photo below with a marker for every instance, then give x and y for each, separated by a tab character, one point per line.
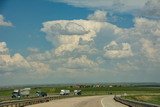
65	92
18	93
41	94
77	92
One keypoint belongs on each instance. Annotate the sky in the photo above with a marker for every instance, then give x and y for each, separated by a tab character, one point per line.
79	41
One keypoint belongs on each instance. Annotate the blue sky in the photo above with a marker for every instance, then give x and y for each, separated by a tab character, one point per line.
106	40
27	18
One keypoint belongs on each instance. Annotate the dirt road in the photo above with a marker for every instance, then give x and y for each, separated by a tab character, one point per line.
91	101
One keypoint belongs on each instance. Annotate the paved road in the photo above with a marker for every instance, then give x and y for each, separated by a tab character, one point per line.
108	101
91	101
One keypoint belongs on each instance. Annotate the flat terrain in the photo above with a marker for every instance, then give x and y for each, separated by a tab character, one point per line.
155	99
91	101
6	93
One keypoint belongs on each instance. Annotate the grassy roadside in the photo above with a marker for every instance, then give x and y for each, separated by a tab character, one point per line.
154	99
5	94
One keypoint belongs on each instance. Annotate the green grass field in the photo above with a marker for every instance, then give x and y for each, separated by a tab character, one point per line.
89	90
154	99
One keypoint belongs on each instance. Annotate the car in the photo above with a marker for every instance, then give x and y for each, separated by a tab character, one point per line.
41	94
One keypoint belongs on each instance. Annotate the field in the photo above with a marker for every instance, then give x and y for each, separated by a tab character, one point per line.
155	99
5	93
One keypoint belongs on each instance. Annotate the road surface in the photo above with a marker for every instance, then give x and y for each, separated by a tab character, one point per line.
91	101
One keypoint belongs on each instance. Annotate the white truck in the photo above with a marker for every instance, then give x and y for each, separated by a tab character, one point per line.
18	93
65	92
77	92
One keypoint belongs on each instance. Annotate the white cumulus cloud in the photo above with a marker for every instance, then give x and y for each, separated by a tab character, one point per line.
3	48
90	45
119	5
4	23
149	49
114	50
146	8
18	63
98	16
68	34
151	9
82	62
